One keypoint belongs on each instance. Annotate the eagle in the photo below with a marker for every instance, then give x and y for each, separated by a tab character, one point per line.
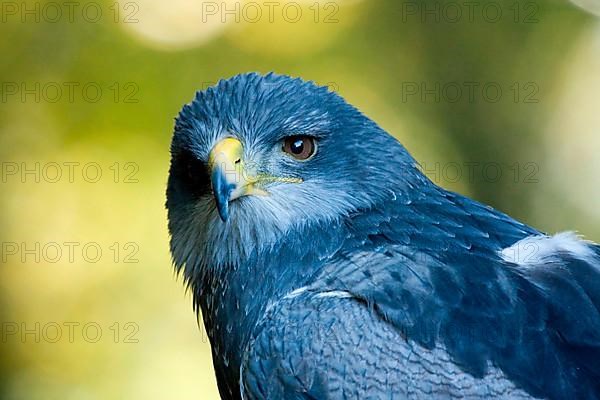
326	265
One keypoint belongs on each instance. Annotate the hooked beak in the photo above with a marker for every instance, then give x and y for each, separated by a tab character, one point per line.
228	177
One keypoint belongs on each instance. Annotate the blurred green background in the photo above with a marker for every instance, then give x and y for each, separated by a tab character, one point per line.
497	100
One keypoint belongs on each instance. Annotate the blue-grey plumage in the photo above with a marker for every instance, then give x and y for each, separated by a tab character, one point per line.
326	265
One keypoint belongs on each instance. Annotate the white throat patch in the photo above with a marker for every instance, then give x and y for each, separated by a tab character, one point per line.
255	223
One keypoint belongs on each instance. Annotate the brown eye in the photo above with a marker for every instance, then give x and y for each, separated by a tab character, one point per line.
300	147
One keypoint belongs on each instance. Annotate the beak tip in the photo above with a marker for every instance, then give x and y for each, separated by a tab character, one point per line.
223	211
221	192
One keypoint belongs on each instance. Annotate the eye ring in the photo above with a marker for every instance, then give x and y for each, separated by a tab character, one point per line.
301	147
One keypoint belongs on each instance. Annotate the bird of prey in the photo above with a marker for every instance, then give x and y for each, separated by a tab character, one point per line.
326	265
